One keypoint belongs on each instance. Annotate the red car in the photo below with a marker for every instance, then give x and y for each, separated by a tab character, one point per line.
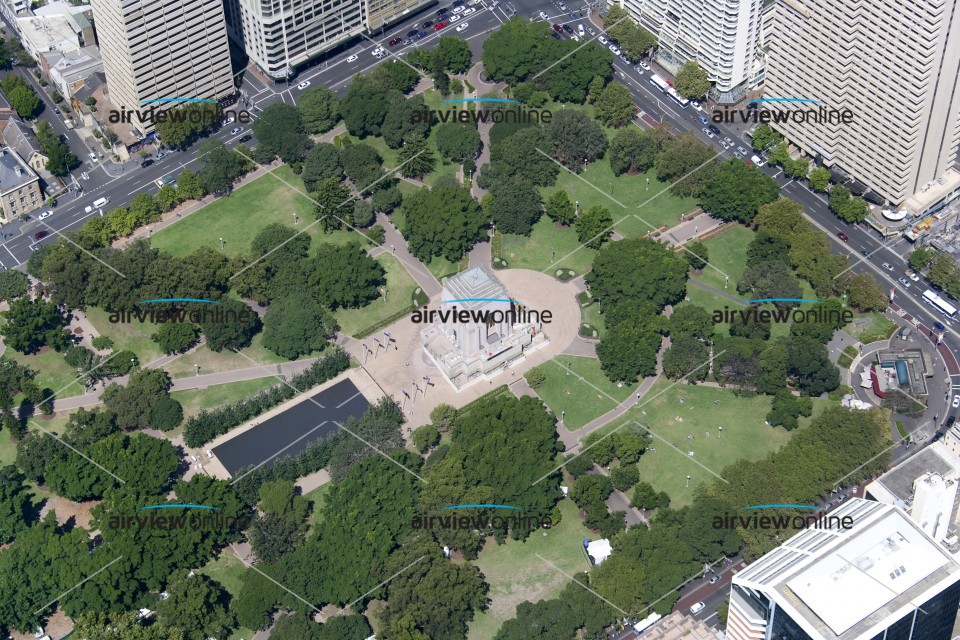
558	28
440	25
842	236
394	42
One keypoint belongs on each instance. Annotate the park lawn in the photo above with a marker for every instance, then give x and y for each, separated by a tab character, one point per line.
400	287
193	400
237	218
515	573
52	371
134	335
228	570
871	325
443	168
317	497
573	394
549	247
711	302
744	435
728	253
592	316
440	267
8	449
226	360
635	210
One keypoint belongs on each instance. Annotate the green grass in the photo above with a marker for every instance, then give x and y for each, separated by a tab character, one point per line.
226	360
193	400
515	573
870	327
134	335
744	434
547	244
317	497
728	253
228	570
440	267
238	217
573	393
591	315
8	449
709	301
400	287
52	371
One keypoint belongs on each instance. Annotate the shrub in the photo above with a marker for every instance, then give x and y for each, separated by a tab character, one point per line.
535	377
425	437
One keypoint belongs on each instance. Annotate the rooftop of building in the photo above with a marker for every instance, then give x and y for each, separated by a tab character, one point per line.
50	32
678	626
14	172
839	583
90	86
19	137
474	288
896	485
933	192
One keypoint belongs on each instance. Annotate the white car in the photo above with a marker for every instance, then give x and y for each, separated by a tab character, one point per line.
644	65
378	51
614	50
544	16
697	608
467	12
956	401
463	26
913	276
303	85
695	105
602	40
473	2
229	120
93	156
235	131
580	31
574	37
454	17
458	9
707	132
45	215
905	283
353	58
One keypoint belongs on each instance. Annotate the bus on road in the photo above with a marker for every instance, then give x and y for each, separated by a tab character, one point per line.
939	304
659	83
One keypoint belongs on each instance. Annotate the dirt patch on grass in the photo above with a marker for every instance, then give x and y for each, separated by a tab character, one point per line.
66	509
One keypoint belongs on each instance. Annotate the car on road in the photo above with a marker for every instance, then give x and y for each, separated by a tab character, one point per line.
439	25
887	266
714	129
457	3
602	40
714	579
442	12
568	28
45	215
914	277
695	105
956	401
544	16
411	33
841	497
728	140
229	120
614	50
723	143
737	155
93	156
556	36
704	120
40	235
56	110
458	9
904	282
469	11
244	139
580	31
741	149
394	42
644	65
843	236
463	26
303	85
950	421
378	51
939	325
707	132
557	28
697	608
454	18
428	24
146	163
421	35
235	131
353	58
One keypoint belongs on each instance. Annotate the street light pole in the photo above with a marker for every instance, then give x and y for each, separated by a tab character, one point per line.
221	244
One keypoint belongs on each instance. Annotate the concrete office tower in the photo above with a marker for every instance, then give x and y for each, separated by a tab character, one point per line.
721	35
882	578
279	36
894	65
163	49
